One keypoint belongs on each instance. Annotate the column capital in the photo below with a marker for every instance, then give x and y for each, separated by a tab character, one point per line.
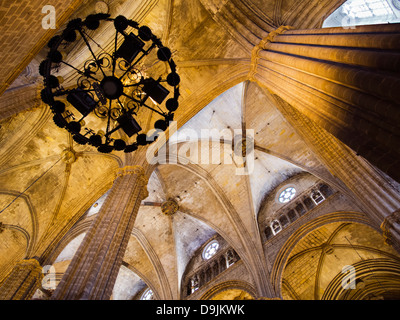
139	171
390	220
30	264
131	170
261	46
389	225
22	281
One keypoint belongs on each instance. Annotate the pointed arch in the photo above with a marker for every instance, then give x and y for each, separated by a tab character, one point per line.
282	257
226	285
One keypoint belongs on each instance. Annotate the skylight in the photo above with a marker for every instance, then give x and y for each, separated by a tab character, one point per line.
364	12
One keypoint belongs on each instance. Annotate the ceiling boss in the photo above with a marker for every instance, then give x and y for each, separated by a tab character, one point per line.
107	100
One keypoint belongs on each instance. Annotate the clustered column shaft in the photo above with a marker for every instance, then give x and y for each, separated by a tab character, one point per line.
23	281
94	268
345	80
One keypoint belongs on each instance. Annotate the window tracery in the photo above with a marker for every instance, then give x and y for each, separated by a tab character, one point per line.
147	295
364	12
366	8
304	203
276	226
221	259
211	249
194	283
287	195
317	197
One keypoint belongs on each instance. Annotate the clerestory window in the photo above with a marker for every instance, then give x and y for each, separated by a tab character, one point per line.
147	295
287	195
364	12
210	249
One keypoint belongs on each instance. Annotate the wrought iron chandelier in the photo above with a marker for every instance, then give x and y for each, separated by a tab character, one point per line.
104	98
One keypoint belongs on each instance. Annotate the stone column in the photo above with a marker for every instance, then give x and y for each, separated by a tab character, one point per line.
373	192
391	229
95	266
22	282
18	100
345	80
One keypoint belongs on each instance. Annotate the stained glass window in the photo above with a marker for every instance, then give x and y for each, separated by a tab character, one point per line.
287	195
366	8
147	295
364	12
210	249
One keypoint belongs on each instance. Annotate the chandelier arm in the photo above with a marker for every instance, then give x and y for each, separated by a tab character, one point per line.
115	50
91	51
122	105
159	108
62	93
79	71
132	85
98	112
148	107
98	45
133	99
96	105
144	53
112	131
108	119
144	105
83	117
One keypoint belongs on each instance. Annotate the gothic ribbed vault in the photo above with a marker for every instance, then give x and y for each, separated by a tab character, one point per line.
240	74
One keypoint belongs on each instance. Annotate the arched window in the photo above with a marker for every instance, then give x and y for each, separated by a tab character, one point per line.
284	221
309	203
292	215
300	209
208	275
268	232
222	264
276	226
194	284
364	12
317	197
230	258
147	295
210	249
215	269
325	189
287	195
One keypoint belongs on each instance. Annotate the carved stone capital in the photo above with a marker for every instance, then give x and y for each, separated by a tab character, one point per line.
391	228
132	170
22	282
394	217
391	220
29	264
273	34
261	46
139	171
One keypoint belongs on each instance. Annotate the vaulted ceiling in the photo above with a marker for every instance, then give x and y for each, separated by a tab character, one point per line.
48	181
212	198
